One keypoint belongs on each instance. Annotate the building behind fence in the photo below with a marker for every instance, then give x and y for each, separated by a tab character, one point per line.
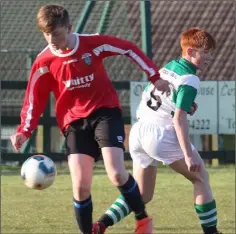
21	41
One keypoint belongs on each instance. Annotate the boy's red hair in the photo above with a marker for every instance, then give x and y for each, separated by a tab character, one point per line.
196	38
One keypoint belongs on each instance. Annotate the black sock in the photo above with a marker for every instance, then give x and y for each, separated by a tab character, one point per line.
106	220
83	214
131	193
209	230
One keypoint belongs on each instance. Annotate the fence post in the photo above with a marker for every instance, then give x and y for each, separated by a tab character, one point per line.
105	16
29	62
146	27
47	129
79	27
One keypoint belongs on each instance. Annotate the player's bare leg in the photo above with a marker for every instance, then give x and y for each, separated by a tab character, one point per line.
204	203
146	179
81	171
114	164
119	176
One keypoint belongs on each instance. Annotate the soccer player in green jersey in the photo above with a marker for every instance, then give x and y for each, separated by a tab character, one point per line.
161	134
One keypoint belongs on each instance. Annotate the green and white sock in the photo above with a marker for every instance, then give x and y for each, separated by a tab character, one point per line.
116	212
207	214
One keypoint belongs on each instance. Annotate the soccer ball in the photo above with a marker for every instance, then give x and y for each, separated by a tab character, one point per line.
38	172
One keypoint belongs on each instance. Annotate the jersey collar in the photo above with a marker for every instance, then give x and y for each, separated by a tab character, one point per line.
71	52
188	65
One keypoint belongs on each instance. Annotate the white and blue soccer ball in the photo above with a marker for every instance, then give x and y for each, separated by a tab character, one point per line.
38	172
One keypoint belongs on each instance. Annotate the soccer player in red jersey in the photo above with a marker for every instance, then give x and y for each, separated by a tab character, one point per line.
87	108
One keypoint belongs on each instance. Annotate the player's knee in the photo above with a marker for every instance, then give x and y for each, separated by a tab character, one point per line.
81	192
118	178
146	197
201	177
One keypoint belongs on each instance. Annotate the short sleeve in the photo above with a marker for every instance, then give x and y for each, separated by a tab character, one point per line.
185	97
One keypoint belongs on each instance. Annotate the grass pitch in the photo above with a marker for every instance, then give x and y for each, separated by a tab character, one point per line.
50	211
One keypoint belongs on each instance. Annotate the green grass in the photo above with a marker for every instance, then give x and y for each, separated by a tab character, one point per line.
50	211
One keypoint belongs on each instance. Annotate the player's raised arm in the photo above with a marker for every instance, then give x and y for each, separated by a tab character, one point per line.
106	46
36	96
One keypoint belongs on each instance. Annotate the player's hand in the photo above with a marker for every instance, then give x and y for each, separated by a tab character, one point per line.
18	140
193	163
193	109
163	86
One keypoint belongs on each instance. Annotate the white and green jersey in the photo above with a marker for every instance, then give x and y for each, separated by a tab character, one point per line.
157	106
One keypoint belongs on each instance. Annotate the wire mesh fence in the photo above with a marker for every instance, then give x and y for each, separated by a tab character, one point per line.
20	40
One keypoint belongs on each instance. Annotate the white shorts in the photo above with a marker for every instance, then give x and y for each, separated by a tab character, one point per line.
150	143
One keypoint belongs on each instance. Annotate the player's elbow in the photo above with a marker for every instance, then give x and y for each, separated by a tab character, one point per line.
180	116
178	120
178	123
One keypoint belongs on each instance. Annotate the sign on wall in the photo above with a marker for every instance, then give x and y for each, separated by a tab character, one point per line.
226	107
204	121
136	90
216	107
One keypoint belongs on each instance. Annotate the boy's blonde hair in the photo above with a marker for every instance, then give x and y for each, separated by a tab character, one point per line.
196	38
51	16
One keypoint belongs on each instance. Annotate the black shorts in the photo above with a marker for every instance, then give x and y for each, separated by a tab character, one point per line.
103	128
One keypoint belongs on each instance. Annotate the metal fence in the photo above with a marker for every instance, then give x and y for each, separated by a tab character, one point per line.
154	26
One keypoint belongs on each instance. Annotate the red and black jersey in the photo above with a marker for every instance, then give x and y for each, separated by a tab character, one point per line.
78	79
